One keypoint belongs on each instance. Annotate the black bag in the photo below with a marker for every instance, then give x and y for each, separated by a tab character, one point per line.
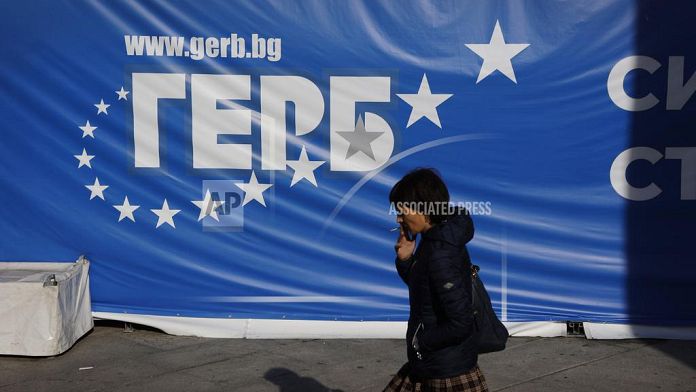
491	334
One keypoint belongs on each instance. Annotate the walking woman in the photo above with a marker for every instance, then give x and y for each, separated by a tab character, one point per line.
441	347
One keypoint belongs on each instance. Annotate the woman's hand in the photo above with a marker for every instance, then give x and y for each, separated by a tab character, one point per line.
404	248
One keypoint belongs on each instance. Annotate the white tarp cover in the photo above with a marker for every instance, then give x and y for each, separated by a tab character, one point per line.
44	307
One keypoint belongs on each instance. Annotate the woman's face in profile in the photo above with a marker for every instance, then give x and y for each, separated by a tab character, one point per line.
412	221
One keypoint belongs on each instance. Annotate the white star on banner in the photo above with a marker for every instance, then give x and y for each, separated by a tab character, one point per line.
126	210
253	190
497	55
96	189
122	94
424	104
84	159
165	215
208	206
304	168
87	130
101	107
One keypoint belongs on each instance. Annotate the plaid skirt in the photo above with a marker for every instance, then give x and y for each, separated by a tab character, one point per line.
471	381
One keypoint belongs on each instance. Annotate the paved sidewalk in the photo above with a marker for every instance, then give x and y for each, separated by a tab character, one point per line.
150	361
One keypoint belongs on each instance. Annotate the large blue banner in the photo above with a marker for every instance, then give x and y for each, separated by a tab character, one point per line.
233	159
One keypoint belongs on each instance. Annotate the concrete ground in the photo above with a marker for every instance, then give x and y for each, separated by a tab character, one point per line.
147	360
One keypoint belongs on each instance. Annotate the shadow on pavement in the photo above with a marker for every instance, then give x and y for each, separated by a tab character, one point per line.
289	381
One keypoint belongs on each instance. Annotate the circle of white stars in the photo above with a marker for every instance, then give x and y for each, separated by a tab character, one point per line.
496	54
208	207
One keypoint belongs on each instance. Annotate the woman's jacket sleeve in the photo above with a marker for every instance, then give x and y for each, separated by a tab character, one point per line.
403	267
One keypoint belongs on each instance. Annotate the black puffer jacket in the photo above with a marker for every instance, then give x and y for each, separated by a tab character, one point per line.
439	283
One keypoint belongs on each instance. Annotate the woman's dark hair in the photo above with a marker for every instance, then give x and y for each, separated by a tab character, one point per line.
422	185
